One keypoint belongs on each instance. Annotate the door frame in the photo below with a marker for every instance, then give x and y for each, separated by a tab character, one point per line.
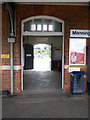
42	34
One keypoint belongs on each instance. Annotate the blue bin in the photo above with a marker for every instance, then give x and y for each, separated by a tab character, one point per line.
77	82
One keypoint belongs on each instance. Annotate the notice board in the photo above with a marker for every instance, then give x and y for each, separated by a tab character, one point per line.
77	51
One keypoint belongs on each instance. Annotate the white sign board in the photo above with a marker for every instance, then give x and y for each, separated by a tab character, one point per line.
77	51
80	33
71	69
28	55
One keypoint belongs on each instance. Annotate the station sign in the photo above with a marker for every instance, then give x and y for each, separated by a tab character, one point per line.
79	33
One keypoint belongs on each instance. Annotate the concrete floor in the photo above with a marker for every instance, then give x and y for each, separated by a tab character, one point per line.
42	81
43	98
45	106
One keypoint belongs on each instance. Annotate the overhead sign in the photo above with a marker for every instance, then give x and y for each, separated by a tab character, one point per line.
80	33
5	56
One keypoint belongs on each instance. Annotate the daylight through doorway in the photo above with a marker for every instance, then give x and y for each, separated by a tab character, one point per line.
42	63
42	57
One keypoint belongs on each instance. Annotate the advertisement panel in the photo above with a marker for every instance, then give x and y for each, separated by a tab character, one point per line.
77	51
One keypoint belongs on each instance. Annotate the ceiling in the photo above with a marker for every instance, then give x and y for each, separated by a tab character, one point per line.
56	2
45	0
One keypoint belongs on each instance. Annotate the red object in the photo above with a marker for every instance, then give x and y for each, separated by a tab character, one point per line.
58	65
58	49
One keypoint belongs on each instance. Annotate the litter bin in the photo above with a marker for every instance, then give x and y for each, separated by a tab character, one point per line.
77	82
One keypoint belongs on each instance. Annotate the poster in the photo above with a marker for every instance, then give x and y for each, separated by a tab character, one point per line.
77	51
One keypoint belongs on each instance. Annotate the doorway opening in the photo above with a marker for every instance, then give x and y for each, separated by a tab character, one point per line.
42	63
42	30
42	57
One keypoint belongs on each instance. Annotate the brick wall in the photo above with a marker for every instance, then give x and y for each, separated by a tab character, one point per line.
75	17
5	49
6	61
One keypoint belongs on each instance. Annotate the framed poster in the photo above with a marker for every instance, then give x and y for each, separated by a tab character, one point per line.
77	51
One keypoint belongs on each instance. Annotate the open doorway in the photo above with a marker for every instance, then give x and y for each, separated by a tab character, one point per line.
43	30
42	57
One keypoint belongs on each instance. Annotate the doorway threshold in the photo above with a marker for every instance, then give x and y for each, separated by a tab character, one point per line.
44	91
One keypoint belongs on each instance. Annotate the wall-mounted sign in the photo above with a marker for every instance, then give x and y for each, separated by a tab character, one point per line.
11	40
5	56
77	51
80	33
71	69
28	55
58	49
